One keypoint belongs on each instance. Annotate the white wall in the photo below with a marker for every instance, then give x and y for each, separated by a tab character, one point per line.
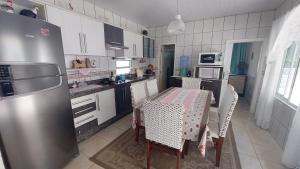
253	55
283	114
211	34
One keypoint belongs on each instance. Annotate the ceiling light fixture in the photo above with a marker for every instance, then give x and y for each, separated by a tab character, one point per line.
177	26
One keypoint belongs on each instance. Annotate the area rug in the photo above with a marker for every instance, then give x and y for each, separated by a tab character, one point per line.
125	153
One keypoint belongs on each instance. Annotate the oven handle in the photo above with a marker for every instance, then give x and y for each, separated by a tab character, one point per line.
82	101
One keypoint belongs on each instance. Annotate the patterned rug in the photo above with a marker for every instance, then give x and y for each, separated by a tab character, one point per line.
125	153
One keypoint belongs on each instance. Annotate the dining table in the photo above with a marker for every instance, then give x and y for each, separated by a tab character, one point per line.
196	103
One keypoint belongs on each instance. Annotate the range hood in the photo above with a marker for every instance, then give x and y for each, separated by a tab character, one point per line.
114	38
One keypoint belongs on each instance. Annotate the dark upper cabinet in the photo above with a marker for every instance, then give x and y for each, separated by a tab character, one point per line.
113	35
148	45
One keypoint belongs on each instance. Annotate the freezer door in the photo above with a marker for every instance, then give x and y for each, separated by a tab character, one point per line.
37	129
24	39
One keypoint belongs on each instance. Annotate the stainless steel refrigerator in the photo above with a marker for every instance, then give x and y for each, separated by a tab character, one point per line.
36	121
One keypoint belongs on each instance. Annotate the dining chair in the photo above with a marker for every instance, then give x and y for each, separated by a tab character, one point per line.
152	88
219	120
163	126
191	83
138	96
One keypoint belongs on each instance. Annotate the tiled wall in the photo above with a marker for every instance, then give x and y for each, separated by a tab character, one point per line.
281	122
210	35
105	63
283	114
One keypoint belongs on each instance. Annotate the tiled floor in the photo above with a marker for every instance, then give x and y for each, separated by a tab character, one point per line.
91	146
256	147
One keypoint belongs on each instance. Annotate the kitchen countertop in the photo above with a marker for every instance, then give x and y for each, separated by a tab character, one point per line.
97	87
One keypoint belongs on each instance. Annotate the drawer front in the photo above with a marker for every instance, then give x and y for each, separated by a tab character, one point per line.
80	101
81	120
79	111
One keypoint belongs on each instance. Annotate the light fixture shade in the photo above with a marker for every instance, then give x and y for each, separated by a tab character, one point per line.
177	26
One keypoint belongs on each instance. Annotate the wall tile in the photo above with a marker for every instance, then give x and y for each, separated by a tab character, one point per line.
188	40
267	19
108	16
229	22
198	26
216	48
197	40
78	6
189	27
117	20
239	34
196	50
207	38
99	12
227	35
165	40
62	3
124	24
89	8
253	20
241	21
188	51
252	33
206	48
151	32
180	40
208	25
217	37
218	24
173	39
264	32
132	26
159	31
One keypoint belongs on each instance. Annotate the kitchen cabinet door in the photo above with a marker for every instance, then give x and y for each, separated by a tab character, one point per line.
138	41
93	37
151	48
129	38
146	47
106	105
72	36
119	98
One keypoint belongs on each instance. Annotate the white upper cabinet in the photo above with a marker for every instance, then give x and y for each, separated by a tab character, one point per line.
81	35
135	44
93	37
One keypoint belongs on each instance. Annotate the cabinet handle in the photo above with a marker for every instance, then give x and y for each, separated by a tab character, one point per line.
80	41
85	43
90	108
98	104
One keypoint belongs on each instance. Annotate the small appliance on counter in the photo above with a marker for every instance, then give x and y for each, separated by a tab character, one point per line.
211	59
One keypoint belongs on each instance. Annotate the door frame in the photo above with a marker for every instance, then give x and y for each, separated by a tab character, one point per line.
161	50
260	67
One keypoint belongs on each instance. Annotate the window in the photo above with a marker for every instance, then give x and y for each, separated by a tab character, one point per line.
123	67
289	80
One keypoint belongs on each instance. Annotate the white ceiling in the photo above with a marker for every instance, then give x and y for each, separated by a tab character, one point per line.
161	12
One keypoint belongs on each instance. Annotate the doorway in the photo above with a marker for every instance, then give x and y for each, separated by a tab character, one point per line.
167	66
244	67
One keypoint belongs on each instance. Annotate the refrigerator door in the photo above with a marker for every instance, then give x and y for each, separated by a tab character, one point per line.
24	39
37	128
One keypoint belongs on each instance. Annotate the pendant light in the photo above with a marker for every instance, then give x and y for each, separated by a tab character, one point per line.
177	26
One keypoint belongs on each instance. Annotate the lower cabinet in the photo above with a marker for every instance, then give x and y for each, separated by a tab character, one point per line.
123	99
106	107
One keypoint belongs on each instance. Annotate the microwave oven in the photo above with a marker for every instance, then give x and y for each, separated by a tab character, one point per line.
212	59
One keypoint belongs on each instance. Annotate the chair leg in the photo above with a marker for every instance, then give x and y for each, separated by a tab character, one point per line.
219	144
137	133
178	159
148	154
187	142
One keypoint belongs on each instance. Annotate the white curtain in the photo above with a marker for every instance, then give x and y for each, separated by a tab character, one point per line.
285	30
291	153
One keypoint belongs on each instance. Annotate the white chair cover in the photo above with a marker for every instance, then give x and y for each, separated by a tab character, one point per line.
138	96
219	128
164	123
152	88
191	83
